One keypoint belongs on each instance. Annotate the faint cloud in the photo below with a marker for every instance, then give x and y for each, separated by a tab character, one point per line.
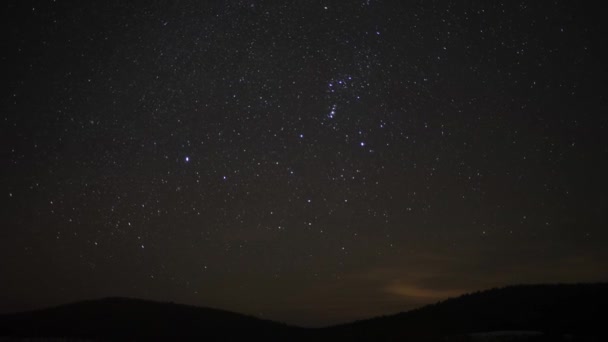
412	291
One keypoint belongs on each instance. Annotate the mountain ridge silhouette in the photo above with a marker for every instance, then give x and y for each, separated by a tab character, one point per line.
557	312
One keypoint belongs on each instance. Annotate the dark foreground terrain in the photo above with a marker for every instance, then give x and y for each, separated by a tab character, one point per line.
516	313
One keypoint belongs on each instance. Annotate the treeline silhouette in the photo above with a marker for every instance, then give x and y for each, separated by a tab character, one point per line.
552	312
560	312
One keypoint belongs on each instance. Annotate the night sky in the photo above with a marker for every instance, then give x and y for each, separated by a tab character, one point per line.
310	162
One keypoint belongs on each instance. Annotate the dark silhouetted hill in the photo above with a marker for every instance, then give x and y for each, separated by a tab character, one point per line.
559	312
516	313
133	319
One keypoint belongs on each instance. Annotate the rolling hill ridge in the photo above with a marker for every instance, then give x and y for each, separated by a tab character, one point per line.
553	312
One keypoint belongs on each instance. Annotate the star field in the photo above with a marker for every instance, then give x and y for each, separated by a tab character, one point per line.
304	161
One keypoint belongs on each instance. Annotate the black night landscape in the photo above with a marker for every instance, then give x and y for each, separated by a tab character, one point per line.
304	170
